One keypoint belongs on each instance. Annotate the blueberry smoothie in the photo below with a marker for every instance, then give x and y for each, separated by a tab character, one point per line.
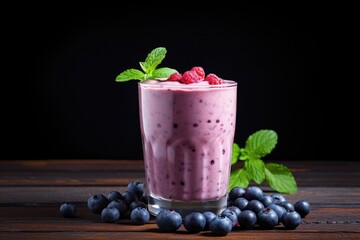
187	133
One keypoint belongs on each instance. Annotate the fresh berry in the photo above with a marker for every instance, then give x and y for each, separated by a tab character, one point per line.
255	205
168	220
247	219
175	77
220	225
267	200
110	214
137	188
267	218
236	192
129	196
231	215
135	204
140	215
189	77
68	210
287	205
144	199
194	222
97	203
235	209
114	195
213	79
278	209
208	217
120	205
291	219
199	71
278	198
302	207
241	203
253	193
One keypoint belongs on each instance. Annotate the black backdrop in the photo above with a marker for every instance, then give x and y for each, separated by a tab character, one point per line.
60	100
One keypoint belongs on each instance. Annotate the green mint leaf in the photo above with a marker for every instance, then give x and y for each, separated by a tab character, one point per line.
130	74
153	59
239	177
244	154
256	170
235	153
163	72
143	66
261	143
280	178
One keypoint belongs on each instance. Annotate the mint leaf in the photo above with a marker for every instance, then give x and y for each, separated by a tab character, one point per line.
143	66
261	143
235	153
280	178
153	59
163	72
244	154
256	170
130	74
239	177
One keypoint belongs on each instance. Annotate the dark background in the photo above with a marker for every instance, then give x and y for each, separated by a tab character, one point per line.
60	99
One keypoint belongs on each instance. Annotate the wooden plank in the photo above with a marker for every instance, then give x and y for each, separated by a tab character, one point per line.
245	235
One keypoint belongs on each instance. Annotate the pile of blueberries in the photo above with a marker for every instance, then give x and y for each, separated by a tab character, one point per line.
247	208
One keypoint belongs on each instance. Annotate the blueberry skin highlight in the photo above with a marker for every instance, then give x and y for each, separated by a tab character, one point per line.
110	214
168	220
291	219
267	200
278	198
241	203
235	209
267	218
253	193
235	193
231	215
114	195
140	215
137	188
97	203
302	207
68	210
194	222
247	219
120	205
287	205
208	217
255	205
220	226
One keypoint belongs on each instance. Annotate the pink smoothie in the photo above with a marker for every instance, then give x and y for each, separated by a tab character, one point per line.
187	133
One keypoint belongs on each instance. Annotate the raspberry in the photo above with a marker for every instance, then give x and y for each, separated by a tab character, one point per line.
176	77
213	79
190	77
199	71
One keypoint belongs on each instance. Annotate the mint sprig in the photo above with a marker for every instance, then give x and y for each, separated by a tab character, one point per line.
149	68
257	146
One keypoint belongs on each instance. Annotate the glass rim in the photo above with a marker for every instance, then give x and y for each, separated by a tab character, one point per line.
228	84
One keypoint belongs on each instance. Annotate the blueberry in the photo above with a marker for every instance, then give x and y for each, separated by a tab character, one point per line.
231	215
241	203
267	200
114	195
255	205
140	216
120	205
267	218
235	209
129	196
68	210
220	225
144	199
235	193
253	193
278	198
137	188
302	207
208	217
97	203
247	219
168	220
278	209
291	219
194	222
287	205
135	204
110	214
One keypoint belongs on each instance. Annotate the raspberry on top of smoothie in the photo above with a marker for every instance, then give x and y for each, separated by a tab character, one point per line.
195	75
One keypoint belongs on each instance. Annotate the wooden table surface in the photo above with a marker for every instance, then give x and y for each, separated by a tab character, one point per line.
31	193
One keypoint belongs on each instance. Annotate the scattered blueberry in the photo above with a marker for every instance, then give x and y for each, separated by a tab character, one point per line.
231	215
278	198
194	222
120	205
140	216
208	217
267	200
241	203
114	195
135	204
235	193
137	188
253	193
247	219
110	214
255	205
291	219
302	207
168	220
97	203
68	210
220	225
129	196
144	199
267	218
287	205
235	209
278	209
